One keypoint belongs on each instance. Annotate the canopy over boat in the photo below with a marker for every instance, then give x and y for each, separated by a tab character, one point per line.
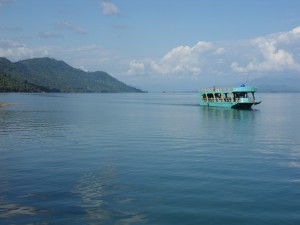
244	88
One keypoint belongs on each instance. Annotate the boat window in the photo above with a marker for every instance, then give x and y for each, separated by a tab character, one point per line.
227	97
210	97
241	95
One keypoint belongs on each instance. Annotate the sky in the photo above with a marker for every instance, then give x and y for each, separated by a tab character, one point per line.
158	45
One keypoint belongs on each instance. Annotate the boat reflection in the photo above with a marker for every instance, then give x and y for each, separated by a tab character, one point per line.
227	114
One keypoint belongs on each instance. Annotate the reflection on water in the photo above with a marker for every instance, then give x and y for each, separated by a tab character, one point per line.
11	210
227	114
101	201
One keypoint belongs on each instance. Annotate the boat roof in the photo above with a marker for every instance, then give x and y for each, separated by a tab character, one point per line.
242	88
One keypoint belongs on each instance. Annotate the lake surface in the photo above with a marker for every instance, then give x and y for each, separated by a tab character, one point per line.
148	159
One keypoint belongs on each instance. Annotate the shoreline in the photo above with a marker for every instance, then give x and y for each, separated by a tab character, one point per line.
6	104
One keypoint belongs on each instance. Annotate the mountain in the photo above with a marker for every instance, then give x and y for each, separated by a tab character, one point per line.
281	83
57	76
9	84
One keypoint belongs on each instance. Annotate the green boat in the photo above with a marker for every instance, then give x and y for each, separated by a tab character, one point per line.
237	98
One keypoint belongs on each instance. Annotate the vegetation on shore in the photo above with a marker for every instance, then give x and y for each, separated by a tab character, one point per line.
9	84
6	104
51	75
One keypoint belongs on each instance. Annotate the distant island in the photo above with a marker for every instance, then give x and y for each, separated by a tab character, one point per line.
51	75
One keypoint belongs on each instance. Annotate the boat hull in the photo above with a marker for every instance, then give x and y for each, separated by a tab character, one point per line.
217	104
233	105
242	106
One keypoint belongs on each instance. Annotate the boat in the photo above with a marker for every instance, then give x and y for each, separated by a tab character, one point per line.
237	98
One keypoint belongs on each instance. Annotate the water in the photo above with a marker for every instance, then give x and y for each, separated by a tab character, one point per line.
148	159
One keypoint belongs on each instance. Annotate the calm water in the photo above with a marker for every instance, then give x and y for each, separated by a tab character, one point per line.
148	159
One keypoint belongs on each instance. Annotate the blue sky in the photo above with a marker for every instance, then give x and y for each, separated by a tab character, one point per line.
158	45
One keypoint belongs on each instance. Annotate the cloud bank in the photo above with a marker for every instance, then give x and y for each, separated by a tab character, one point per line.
278	52
274	53
228	61
15	50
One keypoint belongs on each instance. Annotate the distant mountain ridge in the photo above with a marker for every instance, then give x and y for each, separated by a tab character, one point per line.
278	84
51	75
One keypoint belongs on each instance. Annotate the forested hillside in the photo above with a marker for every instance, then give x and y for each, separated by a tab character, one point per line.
9	84
51	75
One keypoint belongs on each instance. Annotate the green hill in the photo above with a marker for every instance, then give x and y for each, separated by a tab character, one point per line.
56	76
9	84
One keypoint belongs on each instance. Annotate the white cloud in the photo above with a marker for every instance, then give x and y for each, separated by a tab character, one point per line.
220	51
272	53
182	59
14	50
49	35
75	28
108	8
135	68
289	37
237	68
